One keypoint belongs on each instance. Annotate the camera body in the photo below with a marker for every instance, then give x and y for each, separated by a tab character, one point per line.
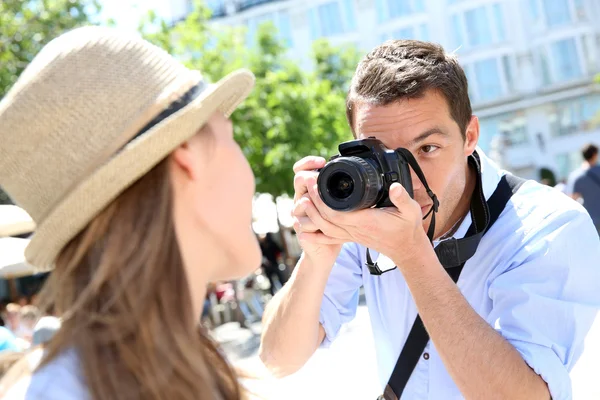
361	175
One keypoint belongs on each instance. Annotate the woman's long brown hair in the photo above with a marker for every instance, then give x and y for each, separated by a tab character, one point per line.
121	288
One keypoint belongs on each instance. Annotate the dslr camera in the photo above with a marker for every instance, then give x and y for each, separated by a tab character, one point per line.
361	174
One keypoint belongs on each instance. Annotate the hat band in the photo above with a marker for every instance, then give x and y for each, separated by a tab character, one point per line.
175	106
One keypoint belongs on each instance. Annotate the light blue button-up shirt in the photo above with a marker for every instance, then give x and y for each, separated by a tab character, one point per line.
535	278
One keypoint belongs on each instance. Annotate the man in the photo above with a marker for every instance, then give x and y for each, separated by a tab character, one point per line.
586	184
590	158
514	325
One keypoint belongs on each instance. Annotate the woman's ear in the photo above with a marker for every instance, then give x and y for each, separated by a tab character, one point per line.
182	161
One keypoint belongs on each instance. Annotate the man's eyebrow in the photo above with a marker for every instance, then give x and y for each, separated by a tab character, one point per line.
425	135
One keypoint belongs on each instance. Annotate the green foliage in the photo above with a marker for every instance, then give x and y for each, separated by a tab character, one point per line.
291	112
26	26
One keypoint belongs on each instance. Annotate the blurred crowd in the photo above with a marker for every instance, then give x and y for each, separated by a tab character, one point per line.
23	325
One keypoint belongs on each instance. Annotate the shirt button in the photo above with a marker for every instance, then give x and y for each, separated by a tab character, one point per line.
426	356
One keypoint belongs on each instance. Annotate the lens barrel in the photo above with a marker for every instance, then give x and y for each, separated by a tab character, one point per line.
350	183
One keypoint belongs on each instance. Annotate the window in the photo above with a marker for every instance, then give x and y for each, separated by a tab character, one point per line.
580	11
543	67
281	22
533	10
478	27
390	9
575	115
557	12
349	14
507	69
216	7
457	31
471	81
564	53
511	126
487	75
483	26
499	21
331	19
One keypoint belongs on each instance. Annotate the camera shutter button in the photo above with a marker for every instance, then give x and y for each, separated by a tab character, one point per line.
391	177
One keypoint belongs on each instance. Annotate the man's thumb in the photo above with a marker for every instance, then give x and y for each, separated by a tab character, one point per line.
398	194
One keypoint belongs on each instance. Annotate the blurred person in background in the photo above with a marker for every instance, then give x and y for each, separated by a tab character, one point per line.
124	158
589	153
8	341
586	184
29	318
271	253
12	317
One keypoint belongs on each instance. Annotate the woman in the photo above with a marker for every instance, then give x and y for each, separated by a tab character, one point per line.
126	161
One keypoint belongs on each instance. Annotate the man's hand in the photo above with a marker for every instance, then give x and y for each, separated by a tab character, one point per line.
317	246
396	231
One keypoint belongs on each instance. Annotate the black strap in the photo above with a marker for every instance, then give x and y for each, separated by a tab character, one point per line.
408	156
451	252
434	208
175	106
418	336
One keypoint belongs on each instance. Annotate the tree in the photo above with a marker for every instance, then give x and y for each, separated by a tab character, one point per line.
26	26
291	113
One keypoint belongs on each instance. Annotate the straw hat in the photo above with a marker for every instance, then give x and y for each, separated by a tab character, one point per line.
94	111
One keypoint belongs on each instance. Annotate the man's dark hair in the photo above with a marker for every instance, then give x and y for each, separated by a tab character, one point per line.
406	69
589	151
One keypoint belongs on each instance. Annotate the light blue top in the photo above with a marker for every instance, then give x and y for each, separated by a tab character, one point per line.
8	341
534	278
60	379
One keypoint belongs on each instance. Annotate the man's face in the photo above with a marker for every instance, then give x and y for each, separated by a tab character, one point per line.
425	127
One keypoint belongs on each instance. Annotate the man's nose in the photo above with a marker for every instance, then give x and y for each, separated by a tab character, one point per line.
416	182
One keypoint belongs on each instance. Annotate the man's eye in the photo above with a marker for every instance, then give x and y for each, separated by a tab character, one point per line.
429	149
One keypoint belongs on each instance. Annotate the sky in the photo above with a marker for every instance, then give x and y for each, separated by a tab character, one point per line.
127	13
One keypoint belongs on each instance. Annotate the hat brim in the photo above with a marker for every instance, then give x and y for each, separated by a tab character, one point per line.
90	197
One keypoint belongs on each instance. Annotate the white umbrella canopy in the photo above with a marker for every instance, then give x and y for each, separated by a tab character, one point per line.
14	221
12	258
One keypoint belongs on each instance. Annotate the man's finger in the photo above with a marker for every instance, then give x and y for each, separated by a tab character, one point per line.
398	195
319	238
300	206
321	223
326	213
309	163
304	224
300	183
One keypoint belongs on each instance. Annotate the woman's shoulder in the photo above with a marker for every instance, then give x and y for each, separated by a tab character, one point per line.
61	378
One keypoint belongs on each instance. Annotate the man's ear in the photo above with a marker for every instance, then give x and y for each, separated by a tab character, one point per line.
471	136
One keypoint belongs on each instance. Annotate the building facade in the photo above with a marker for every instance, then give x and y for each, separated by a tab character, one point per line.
530	63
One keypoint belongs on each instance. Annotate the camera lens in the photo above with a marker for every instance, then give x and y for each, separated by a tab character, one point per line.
340	185
350	183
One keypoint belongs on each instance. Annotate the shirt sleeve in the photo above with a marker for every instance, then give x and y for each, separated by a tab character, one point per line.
340	299
576	188
545	303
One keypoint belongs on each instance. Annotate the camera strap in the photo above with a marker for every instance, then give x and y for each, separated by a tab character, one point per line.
453	254
412	162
